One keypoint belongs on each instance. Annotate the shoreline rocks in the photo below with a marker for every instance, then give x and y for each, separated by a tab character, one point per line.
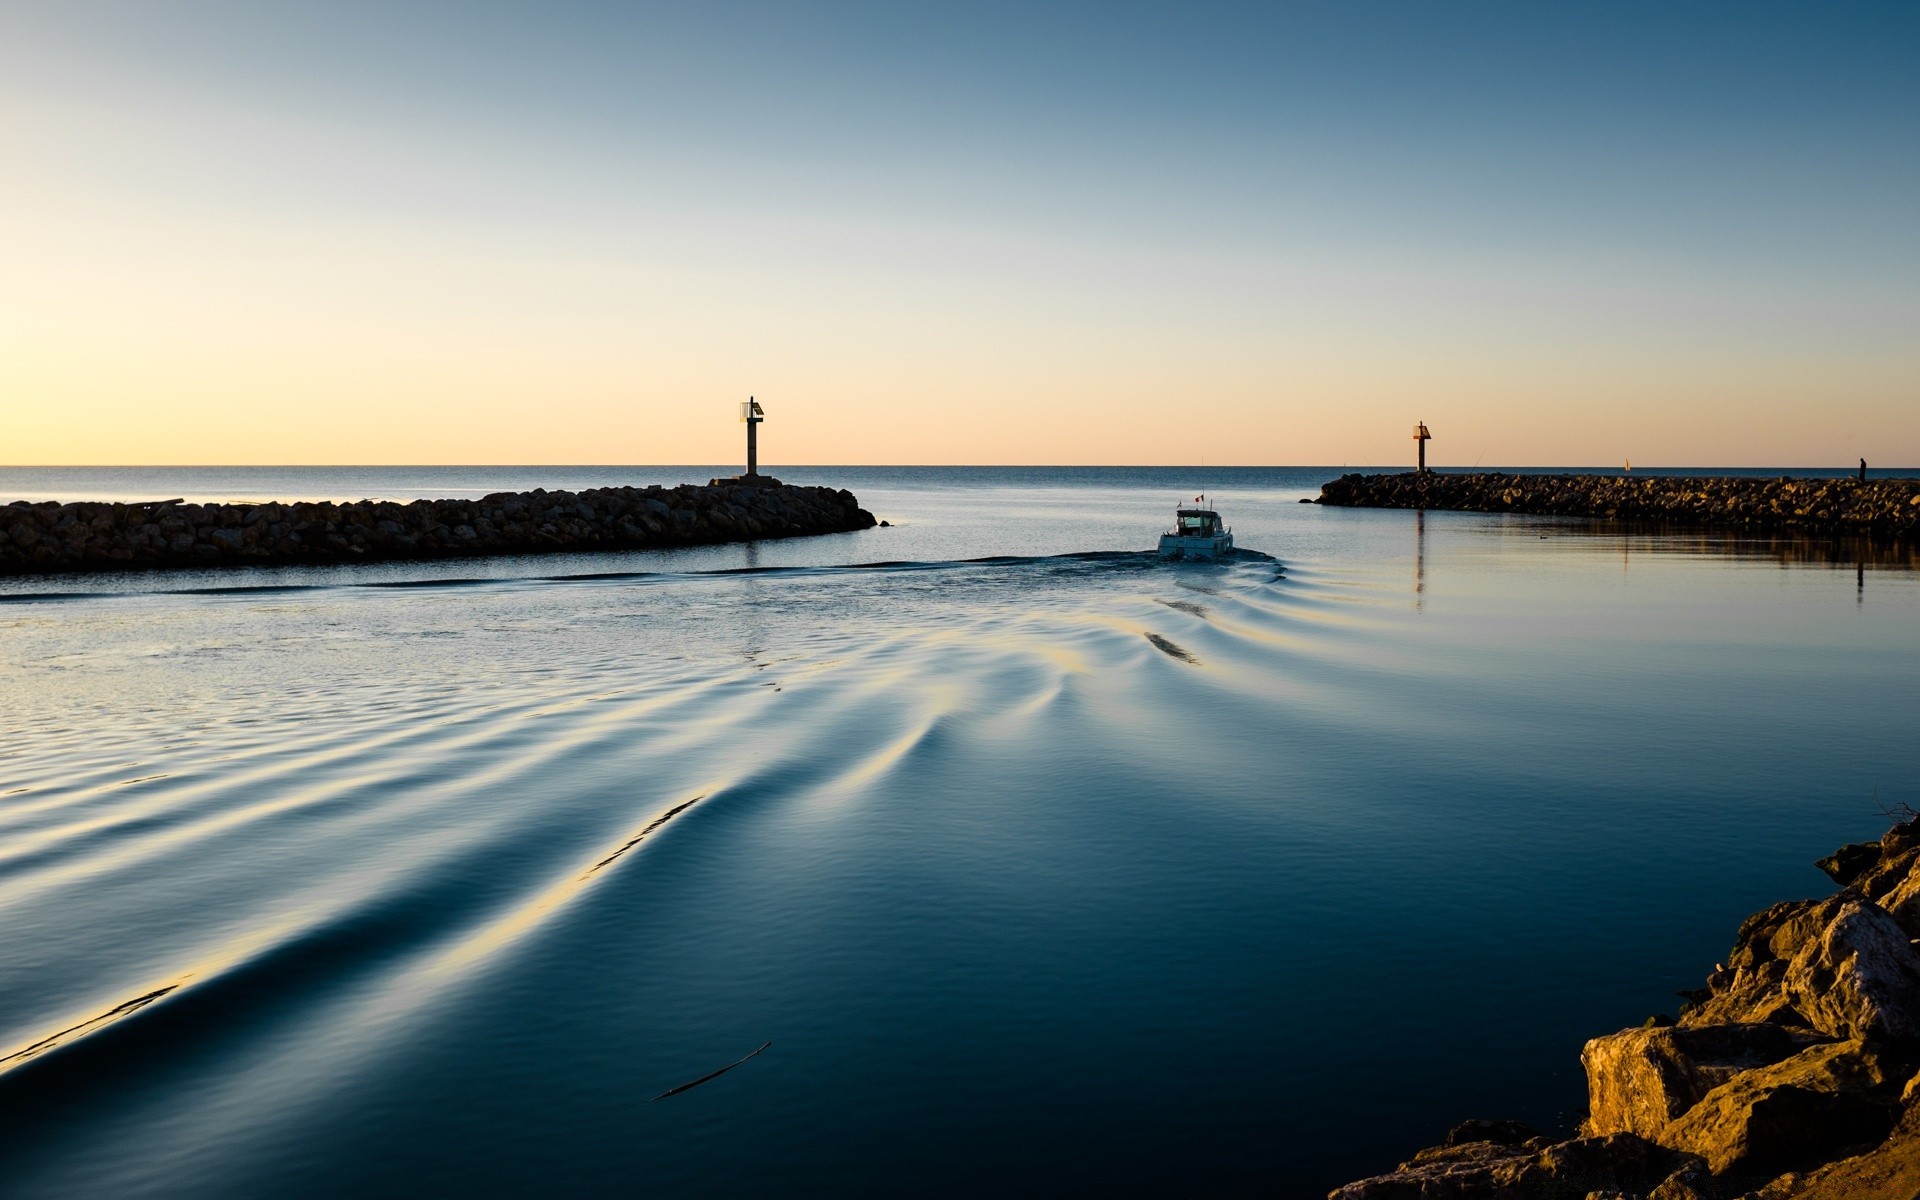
1794	1074
1879	508
109	536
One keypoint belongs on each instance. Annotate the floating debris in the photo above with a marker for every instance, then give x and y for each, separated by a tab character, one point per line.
87	1026
637	838
1187	606
710	1076
1167	646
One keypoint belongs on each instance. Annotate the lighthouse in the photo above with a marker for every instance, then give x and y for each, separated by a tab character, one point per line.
1420	438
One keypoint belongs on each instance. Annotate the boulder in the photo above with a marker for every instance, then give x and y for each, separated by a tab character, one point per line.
1895	866
1750	988
1860	978
1490	1170
1639	1080
1902	903
1692	1182
1792	1112
1889	1171
1502	1133
1849	862
1464	1172
1901	838
1841	966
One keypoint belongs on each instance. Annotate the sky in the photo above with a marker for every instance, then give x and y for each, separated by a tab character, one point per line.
571	232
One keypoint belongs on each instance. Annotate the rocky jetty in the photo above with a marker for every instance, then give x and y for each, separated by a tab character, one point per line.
1794	1074
1884	508
88	536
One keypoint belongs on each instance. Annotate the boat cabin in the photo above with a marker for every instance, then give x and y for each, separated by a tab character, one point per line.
1197	522
1197	533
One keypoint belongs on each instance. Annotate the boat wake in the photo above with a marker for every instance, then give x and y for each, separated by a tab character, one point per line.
270	845
1114	559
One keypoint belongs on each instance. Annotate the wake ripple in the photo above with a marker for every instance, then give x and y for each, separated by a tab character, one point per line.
1116	559
263	898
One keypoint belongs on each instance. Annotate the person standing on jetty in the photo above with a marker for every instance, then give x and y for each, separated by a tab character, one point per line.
1863	470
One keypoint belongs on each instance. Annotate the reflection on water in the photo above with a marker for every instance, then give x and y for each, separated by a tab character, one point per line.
1419	557
1784	549
1088	872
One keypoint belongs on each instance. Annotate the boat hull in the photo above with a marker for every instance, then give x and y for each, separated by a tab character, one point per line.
1196	549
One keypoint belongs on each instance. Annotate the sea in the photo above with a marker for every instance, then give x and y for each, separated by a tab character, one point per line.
981	853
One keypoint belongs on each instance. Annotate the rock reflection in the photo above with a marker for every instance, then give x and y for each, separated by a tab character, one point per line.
1787	550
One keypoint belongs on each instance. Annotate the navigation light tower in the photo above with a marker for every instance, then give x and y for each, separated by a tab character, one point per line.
752	414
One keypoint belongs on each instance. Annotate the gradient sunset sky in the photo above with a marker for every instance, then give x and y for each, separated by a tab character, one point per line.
982	233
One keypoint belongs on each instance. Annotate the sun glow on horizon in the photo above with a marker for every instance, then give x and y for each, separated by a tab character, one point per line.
556	239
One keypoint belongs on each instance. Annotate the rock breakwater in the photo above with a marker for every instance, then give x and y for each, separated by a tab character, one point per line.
1884	508
95	536
1794	1074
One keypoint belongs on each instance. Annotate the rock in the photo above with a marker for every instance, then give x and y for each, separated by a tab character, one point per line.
1860	978
1902	902
1901	838
1785	1074
1639	1080
95	536
1750	988
1691	1182
1615	1160
1841	966
1849	862
1889	1171
1445	1173
1790	1112
1503	1133
1487	1170
1894	867
1881	508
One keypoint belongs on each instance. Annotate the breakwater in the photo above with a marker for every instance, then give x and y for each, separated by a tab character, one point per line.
93	536
1881	508
1793	1074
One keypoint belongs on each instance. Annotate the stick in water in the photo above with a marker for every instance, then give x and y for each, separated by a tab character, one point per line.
711	1075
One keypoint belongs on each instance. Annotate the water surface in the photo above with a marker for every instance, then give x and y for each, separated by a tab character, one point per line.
1059	871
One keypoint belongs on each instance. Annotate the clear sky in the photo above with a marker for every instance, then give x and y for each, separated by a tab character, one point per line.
353	232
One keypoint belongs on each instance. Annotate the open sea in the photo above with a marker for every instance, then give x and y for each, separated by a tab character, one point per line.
1043	867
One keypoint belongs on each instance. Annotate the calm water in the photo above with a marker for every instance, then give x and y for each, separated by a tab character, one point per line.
1024	900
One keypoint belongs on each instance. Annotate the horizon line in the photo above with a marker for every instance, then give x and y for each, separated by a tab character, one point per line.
1850	467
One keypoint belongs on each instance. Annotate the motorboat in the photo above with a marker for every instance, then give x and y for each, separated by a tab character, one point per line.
1198	534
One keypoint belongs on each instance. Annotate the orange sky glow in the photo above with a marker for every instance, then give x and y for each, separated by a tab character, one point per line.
203	269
